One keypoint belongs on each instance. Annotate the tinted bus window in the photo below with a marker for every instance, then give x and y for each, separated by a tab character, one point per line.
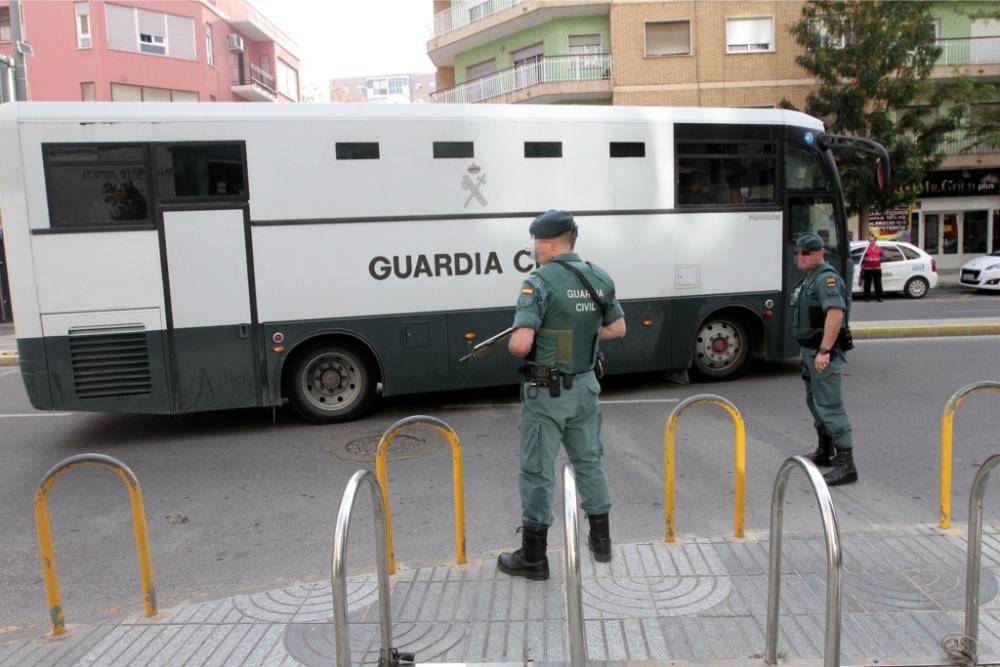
627	149
726	174
93	184
450	149
207	170
542	149
367	150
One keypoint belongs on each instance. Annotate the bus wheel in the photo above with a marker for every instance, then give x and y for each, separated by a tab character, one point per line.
721	349
331	382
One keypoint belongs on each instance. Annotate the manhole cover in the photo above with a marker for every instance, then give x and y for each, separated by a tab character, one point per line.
403	447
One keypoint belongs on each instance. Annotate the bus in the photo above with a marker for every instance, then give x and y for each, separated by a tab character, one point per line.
172	258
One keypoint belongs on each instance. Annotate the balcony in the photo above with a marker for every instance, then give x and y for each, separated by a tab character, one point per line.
974	56
960	151
253	84
473	24
544	79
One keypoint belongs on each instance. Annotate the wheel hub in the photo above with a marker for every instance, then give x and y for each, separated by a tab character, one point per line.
330	378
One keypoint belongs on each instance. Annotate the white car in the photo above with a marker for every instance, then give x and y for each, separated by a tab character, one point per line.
982	272
905	268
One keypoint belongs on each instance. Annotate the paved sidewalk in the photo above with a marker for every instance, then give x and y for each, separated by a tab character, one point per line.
702	599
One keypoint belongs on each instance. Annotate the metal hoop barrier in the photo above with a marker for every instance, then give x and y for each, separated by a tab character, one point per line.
975	542
387	656
382	470
44	527
831	531
669	461
947	431
574	586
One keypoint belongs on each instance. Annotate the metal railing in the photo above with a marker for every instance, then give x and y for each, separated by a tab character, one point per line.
969	51
947	433
250	74
975	549
465	13
669	462
831	532
961	142
387	655
574	585
44	526
545	69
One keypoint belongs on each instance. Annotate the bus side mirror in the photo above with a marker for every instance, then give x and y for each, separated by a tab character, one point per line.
880	174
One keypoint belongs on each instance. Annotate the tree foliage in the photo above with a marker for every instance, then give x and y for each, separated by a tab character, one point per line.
873	60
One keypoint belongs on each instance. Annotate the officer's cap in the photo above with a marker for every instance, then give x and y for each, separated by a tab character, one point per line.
809	241
551	224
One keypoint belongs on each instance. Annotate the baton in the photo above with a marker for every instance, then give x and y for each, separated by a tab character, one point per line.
484	347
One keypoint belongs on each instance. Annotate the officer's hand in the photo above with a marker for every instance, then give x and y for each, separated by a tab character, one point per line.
822	361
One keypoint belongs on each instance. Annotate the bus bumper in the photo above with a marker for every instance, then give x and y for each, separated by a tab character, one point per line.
35	372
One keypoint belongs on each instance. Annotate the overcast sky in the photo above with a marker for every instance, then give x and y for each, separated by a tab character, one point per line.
345	38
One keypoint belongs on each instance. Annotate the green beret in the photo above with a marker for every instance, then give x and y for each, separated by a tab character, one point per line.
551	224
809	241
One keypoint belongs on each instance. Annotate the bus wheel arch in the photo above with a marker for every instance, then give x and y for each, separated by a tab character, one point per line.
331	378
724	343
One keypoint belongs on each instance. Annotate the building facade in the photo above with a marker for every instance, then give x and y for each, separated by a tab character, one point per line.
153	50
413	88
733	53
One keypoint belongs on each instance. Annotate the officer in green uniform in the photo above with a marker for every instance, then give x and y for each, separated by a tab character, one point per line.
819	306
557	328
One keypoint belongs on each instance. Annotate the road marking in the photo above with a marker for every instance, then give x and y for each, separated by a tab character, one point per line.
631	401
928	339
9	371
641	400
37	414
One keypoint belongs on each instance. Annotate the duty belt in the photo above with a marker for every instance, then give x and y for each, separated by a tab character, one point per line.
552	378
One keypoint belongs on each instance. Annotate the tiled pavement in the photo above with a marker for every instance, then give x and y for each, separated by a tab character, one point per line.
703	599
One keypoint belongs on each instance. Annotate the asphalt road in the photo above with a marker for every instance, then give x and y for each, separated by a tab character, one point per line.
237	502
947	301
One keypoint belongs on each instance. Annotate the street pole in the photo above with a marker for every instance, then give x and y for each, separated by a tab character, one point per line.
20	68
6	79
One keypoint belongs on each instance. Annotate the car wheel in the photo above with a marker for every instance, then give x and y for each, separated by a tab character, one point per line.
721	349
916	288
331	382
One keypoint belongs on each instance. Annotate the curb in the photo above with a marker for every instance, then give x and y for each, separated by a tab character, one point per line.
924	330
9	358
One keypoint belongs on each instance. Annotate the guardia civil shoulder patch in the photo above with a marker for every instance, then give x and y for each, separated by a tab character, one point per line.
527	291
831	282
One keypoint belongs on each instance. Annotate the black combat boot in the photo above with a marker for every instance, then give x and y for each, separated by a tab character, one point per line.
824	454
530	560
843	471
600	537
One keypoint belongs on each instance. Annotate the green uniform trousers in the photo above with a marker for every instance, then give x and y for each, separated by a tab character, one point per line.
825	396
574	419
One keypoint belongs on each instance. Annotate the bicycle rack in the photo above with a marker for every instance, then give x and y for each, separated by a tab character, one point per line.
670	436
387	655
574	587
975	551
831	650
947	430
44	527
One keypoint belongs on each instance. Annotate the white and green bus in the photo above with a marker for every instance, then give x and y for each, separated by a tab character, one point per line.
170	258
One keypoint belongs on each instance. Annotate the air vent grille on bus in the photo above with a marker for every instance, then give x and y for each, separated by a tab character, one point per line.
110	361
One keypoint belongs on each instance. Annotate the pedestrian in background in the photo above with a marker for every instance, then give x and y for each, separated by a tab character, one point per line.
566	307
819	309
871	269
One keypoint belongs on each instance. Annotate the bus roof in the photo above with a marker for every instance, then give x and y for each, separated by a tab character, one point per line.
113	112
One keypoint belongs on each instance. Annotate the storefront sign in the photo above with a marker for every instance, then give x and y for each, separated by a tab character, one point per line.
888	224
959	183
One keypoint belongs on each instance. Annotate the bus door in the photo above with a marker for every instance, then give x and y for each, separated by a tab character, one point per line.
211	313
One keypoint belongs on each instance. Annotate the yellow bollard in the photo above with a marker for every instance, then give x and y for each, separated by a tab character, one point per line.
947	432
382	473
668	456
44	527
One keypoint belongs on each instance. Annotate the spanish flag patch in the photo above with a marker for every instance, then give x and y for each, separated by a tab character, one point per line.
527	291
831	282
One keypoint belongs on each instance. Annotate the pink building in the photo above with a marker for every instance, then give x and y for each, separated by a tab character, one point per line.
153	51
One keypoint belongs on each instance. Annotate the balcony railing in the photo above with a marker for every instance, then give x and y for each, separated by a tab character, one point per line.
465	13
548	69
969	51
250	74
960	142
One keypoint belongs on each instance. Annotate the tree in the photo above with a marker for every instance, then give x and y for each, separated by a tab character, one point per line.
873	60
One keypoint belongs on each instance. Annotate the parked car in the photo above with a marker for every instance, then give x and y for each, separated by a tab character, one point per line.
982	272
905	268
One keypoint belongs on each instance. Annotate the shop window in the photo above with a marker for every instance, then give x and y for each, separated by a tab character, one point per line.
974	232
931	229
949	234
96	184
201	170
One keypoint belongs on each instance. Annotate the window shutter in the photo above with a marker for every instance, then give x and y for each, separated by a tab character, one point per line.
668	39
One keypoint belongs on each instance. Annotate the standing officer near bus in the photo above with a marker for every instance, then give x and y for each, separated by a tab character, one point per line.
819	306
557	328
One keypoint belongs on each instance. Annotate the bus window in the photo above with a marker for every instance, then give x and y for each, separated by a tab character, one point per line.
542	149
450	149
627	149
366	150
804	169
95	184
813	214
200	170
726	174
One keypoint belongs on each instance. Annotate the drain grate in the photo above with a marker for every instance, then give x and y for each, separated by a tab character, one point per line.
403	447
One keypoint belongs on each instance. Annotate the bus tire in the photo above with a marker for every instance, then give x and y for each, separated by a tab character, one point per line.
721	349
331	381
916	288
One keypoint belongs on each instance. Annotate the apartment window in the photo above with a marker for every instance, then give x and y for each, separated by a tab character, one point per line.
288	80
452	149
479	70
542	149
668	38
209	46
214	170
122	92
83	39
627	149
819	28
398	85
749	35
5	24
581	45
96	184
359	150
155	33
88	91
